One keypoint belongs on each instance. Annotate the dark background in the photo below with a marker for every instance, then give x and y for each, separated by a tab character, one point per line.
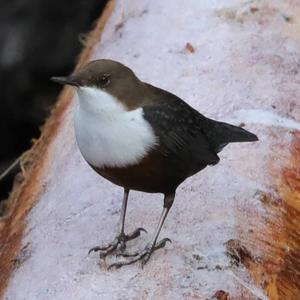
38	39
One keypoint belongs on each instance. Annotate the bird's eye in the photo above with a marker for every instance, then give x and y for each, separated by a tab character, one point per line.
104	80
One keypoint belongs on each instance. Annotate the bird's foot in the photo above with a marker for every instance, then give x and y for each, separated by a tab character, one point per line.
118	243
142	256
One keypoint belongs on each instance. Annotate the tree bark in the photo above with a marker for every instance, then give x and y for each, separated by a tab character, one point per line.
234	226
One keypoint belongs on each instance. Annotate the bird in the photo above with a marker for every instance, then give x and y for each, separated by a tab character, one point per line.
141	137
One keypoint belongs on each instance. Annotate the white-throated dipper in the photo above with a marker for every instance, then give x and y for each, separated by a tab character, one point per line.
142	138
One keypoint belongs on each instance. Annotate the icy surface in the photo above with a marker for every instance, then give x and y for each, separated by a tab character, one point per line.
243	71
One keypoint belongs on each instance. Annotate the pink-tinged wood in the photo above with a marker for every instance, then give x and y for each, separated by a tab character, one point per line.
234	226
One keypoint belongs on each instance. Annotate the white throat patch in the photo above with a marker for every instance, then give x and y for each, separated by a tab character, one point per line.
107	134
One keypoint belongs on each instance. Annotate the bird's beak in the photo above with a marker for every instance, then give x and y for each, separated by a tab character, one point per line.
65	80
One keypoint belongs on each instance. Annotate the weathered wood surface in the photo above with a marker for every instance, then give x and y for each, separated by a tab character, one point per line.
235	226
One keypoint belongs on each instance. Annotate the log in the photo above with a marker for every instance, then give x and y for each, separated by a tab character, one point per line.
234	226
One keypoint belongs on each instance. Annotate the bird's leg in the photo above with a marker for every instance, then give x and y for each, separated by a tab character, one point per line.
145	254
121	238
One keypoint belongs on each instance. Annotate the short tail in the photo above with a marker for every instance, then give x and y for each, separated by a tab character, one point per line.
220	134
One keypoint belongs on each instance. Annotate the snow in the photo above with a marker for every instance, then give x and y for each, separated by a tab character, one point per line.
240	71
263	117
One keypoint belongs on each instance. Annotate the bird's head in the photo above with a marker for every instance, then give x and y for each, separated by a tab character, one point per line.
106	76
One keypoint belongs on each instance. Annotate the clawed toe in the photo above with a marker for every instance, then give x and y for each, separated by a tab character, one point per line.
158	245
126	254
118	242
104	251
135	234
162	243
142	256
98	248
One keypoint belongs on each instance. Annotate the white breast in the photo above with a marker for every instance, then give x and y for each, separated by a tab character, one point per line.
107	134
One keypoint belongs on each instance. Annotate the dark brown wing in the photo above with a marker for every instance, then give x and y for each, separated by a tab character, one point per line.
178	127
